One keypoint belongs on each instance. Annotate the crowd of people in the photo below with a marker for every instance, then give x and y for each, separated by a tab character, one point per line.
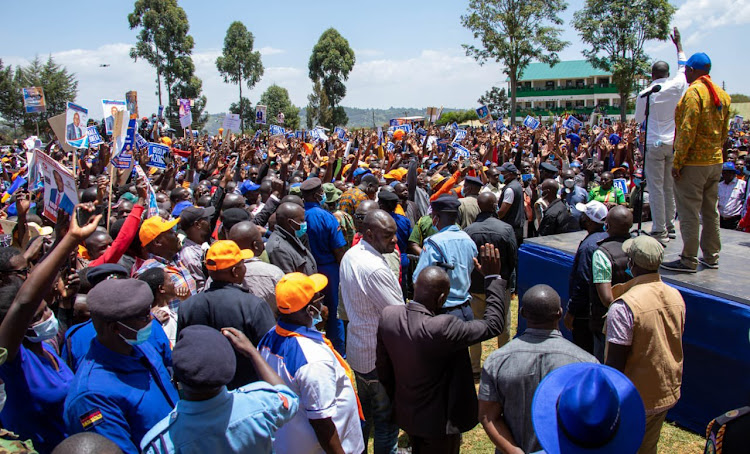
273	293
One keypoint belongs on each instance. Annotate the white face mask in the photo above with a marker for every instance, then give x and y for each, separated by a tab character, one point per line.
2	396
45	330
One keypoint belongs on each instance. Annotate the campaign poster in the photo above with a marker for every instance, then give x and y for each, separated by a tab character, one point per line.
275	130
156	154
231	122
94	137
622	184
260	114
280	118
33	99
572	123
186	116
432	114
460	135
76	118
153	208
110	109
461	152
131	100
531	122
59	186
339	132
484	114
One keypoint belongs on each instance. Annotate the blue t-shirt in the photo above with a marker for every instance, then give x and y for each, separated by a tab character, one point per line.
324	233
36	395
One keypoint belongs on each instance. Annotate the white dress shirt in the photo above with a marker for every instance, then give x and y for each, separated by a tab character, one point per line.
730	198
367	287
663	103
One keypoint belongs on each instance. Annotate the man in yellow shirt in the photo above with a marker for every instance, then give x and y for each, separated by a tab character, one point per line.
702	122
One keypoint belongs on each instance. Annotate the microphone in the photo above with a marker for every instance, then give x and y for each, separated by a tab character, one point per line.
654	89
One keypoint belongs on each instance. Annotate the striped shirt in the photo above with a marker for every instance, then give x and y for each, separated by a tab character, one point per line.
180	276
367	287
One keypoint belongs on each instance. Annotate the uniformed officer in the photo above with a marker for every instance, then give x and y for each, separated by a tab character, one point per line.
121	388
328	246
210	418
78	337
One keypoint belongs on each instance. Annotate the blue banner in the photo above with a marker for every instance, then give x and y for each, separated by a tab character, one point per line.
339	132
142	143
460	135
531	122
393	123
156	154
622	184
571	123
275	130
94	137
461	152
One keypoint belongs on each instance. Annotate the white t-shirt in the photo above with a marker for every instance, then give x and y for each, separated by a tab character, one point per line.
509	196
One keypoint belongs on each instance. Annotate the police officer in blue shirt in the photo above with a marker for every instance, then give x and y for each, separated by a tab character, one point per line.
454	251
328	246
211	419
121	388
78	337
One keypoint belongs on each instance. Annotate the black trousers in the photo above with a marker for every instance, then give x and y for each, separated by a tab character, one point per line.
582	335
446	444
730	223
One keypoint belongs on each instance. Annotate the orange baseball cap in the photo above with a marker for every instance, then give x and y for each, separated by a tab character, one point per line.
153	227
166	141
398	134
295	291
225	254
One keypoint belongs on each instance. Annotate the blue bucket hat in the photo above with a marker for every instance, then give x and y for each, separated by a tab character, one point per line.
588	408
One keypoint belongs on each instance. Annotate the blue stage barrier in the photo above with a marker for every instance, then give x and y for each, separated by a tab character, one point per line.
716	342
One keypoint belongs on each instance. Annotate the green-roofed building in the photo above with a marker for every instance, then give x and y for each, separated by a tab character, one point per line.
573	86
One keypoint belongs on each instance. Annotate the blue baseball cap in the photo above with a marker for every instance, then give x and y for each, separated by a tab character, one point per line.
361	171
700	61
729	166
179	207
248	186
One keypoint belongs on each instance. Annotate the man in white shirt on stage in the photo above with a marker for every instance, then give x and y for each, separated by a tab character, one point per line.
660	140
368	286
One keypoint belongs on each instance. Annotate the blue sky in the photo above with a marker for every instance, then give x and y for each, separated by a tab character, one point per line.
406	56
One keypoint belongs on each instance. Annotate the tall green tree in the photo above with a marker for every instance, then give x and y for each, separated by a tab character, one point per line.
164	42
192	89
496	101
617	30
60	87
514	33
318	108
238	63
276	99
11	103
331	62
244	108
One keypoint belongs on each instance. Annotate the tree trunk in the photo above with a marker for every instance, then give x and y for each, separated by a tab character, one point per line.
623	106
242	121
158	80
513	77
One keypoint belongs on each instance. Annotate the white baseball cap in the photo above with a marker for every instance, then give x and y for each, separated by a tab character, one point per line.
596	211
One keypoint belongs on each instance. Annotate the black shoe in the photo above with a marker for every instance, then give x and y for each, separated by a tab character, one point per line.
712	266
671	234
678	266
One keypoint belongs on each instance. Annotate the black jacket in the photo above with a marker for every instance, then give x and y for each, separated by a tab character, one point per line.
516	215
557	219
228	305
423	363
289	253
489	229
612	247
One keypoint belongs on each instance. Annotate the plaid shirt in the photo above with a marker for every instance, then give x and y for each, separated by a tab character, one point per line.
350	200
179	274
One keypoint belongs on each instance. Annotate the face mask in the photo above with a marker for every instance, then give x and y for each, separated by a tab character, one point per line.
569	183
463	194
142	336
629	270
605	227
317	318
501	178
302	230
45	330
637	182
323	201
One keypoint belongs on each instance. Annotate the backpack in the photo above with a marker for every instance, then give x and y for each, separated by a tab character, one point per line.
729	433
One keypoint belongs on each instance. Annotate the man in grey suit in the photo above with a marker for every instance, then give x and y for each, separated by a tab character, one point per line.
75	130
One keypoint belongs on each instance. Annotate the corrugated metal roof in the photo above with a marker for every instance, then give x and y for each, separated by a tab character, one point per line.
572	69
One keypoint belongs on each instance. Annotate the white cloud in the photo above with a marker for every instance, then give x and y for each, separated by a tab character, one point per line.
268	50
700	16
365	53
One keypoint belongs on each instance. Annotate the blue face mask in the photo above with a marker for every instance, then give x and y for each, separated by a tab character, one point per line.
463	194
502	178
142	336
323	201
637	182
605	227
317	318
302	230
628	270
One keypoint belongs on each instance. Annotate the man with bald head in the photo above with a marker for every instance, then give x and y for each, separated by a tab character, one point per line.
423	362
556	217
367	287
286	247
609	267
512	373
260	277
659	143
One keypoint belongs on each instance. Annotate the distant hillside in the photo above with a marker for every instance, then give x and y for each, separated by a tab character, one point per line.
358	118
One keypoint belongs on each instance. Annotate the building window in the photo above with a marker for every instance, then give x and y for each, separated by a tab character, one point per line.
568	83
603	102
550	104
568	104
550	84
603	82
580	103
580	83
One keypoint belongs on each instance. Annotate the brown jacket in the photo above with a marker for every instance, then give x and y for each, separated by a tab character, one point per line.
654	364
423	363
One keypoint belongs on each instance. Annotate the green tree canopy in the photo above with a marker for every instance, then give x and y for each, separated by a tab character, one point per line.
496	101
276	99
11	102
616	31
737	97
318	107
458	116
244	108
331	62
238	63
514	33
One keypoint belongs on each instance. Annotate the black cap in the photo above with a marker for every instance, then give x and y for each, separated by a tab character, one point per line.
203	357
445	204
106	271
310	184
473	180
191	215
120	299
233	216
549	167
388	196
508	167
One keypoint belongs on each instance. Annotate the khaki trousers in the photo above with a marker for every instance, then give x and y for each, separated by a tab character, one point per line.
653	431
697	197
478	306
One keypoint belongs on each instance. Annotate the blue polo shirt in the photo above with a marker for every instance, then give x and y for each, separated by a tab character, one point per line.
120	397
403	231
324	233
36	393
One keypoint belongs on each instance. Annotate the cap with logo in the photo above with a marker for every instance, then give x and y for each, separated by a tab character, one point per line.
225	254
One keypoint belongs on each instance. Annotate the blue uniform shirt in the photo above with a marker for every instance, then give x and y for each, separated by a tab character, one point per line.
451	245
78	340
35	396
403	231
241	421
120	397
324	233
